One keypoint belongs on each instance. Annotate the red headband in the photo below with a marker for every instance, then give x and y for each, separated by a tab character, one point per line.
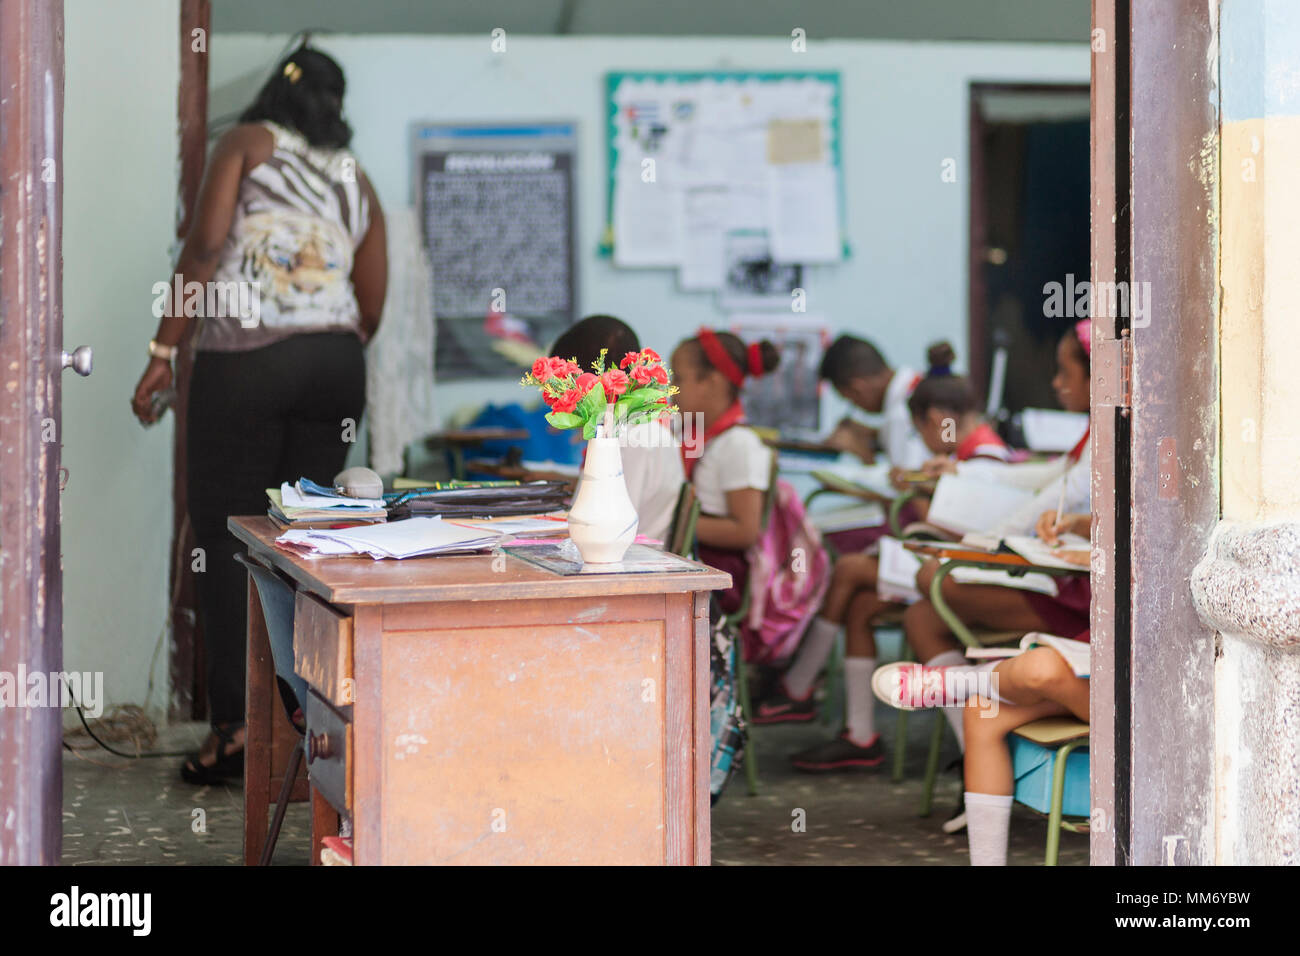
721	359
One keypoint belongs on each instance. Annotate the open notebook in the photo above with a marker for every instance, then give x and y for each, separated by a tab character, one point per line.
1078	654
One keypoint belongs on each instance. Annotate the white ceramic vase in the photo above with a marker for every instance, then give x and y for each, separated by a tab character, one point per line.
602	521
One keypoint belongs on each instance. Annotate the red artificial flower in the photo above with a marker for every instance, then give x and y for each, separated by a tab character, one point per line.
650	355
615	382
569	368
642	375
660	374
559	367
566	402
585	383
542	369
630	358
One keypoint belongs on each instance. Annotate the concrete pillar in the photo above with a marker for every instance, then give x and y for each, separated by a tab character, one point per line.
1248	585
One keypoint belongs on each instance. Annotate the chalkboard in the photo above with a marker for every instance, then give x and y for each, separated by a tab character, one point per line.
496	212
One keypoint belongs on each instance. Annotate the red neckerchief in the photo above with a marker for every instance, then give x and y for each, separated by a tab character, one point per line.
733	416
1077	451
982	434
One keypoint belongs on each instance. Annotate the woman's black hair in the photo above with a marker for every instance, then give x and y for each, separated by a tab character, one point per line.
769	354
1084	357
583	340
305	94
849	357
940	388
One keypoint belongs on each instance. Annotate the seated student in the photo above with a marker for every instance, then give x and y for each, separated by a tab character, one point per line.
652	462
859	373
945	413
1006	608
1035	684
727	462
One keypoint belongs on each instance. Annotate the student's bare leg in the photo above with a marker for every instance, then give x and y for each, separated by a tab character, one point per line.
853	572
988	774
1042	675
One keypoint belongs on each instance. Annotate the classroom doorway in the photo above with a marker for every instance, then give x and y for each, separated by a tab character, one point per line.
1029	226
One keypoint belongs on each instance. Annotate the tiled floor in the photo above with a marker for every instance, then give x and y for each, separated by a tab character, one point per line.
120	811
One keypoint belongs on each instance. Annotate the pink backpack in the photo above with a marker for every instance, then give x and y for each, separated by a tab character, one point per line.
789	572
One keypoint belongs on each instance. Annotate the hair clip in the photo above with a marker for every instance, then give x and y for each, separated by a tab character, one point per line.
293	71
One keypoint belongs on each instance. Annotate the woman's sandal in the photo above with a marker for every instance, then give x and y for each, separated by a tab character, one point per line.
227	765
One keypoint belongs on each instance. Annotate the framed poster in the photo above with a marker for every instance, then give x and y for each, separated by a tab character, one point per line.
496	211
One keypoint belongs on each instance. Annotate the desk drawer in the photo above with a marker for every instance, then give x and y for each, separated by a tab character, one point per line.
329	751
322	648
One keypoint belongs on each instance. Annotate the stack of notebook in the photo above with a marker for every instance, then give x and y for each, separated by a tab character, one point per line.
307	505
400	539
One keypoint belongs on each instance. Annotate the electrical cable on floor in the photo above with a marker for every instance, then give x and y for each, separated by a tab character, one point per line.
126	722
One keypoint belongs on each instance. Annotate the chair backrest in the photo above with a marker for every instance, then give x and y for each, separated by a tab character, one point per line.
681	531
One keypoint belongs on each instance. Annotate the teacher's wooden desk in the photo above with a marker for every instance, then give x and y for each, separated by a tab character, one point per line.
477	709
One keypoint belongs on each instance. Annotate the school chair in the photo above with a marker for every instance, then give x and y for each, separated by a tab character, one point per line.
1049	759
277	600
968	637
681	530
734	620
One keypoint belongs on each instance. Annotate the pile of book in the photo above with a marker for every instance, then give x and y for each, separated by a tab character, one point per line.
305	504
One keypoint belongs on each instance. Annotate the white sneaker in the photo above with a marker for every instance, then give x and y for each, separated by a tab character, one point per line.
957	822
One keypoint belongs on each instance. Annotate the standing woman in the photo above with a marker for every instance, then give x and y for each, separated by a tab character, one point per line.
286	213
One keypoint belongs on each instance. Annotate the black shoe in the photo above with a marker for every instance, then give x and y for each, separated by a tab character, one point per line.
228	765
840	754
780	709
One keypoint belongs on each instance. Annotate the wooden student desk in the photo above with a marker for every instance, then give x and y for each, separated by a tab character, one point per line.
481	710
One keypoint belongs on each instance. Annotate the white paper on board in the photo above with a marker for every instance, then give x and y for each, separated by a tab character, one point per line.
803	217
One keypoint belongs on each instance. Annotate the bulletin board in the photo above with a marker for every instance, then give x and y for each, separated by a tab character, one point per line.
496	212
705	167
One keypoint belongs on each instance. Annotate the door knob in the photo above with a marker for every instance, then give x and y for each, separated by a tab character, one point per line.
80	360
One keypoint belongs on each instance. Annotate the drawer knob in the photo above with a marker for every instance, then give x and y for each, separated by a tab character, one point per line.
319	746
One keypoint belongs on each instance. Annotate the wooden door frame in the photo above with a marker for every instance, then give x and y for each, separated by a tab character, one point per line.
977	223
31	343
1155	480
188	687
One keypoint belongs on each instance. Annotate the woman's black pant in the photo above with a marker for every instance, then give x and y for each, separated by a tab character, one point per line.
256	419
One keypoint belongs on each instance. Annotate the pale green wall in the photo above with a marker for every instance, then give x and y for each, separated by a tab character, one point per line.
119	202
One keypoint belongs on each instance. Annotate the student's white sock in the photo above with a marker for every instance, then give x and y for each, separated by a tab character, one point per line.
813	654
988	820
952	714
859	703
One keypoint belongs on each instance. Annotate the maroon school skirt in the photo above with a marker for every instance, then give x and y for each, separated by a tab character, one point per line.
1066	614
857	540
734	563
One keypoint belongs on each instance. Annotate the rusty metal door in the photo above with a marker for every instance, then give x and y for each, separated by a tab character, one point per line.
31	362
1155	495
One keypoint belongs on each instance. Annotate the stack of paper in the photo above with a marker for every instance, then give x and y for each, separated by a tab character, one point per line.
291	507
399	539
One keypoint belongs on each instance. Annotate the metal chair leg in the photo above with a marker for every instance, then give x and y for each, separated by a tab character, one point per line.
932	764
1058	800
282	804
833	702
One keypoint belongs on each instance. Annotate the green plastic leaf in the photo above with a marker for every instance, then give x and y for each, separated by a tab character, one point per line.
563	420
592	406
